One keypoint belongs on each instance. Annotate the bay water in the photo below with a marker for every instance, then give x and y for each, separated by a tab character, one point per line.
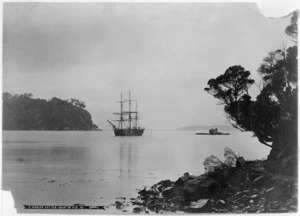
97	168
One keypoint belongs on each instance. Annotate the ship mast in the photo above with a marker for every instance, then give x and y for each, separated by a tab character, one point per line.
121	113
136	116
129	113
124	129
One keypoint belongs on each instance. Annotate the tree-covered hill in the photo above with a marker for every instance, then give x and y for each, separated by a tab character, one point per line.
22	112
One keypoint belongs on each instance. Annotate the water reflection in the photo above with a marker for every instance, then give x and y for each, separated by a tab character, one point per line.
128	163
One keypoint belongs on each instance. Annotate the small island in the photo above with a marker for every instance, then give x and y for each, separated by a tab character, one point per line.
213	131
23	112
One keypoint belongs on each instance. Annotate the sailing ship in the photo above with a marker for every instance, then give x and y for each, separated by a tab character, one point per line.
128	120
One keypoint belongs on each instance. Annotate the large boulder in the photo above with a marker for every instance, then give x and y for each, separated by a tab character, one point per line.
199	188
181	180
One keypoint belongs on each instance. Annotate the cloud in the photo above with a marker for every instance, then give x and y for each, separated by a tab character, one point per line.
40	37
165	53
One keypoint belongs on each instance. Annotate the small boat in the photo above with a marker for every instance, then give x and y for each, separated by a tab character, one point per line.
128	120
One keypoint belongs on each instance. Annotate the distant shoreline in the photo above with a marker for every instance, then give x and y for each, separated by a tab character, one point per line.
206	128
49	130
212	134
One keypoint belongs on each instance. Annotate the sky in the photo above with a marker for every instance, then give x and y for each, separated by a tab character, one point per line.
164	53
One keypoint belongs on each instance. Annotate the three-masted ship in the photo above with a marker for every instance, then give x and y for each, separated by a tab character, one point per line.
128	120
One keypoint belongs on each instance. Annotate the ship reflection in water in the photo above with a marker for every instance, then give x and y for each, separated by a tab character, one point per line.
128	163
128	121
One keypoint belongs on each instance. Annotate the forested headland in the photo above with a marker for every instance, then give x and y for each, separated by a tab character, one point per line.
23	112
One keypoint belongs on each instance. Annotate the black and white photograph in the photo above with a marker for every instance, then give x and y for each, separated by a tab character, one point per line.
149	108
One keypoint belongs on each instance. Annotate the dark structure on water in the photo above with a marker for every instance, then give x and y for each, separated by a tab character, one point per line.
128	121
213	131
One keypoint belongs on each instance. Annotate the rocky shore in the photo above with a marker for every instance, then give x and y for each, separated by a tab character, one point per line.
239	187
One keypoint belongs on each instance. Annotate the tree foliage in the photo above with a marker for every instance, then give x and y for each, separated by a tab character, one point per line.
292	29
22	112
230	86
276	106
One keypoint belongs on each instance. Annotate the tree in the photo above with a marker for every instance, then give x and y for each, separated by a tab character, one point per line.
230	86
292	29
273	116
278	100
77	103
231	89
22	112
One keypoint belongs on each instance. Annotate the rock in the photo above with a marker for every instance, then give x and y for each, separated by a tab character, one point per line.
136	210
198	204
201	206
119	206
229	189
143	192
177	201
154	190
168	191
240	162
159	187
173	209
136	202
196	189
155	207
191	187
165	183
240	178
183	179
222	201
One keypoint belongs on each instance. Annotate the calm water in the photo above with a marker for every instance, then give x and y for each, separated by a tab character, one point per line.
94	168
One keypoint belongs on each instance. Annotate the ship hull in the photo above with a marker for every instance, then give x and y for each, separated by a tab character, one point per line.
129	132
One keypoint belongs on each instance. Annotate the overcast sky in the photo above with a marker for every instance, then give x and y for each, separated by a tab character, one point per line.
164	53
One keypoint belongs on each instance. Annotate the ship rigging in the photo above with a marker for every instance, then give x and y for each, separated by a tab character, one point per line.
128	120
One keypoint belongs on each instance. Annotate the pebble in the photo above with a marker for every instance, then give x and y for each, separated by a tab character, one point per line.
136	210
